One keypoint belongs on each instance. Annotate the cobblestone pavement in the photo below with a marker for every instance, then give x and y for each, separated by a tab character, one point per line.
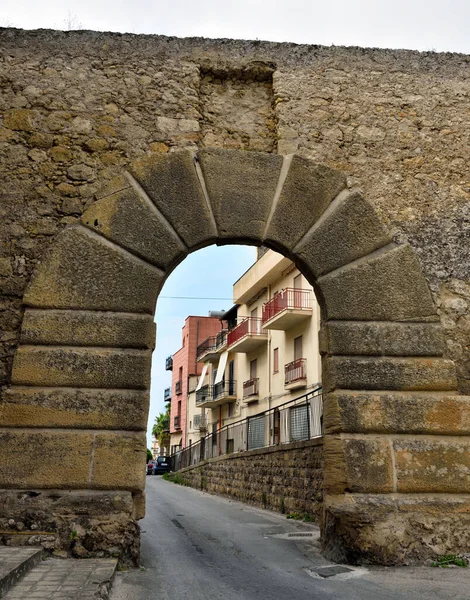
65	580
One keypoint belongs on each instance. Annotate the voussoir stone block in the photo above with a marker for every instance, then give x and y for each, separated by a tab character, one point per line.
436	465
117	461
381	338
347	230
349	411
358	465
55	459
307	191
82	367
74	408
171	182
85	271
388	373
87	328
241	187
388	286
131	220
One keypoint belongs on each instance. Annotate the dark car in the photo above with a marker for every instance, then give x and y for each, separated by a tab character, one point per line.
162	465
150	466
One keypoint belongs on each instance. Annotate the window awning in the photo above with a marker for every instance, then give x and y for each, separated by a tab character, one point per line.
221	367
201	378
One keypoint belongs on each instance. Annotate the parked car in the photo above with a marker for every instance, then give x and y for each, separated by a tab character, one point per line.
162	465
150	466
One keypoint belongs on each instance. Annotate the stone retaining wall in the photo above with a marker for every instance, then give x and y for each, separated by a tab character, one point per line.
286	478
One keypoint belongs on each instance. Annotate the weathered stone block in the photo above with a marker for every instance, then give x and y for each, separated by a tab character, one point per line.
347	230
307	191
117	461
132	221
395	529
433	465
348	411
55	459
381	339
82	367
74	408
84	271
87	328
388	373
171	182
241	187
388	286
358	465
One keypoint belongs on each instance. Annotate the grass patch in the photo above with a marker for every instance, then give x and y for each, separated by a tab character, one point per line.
302	516
175	478
448	560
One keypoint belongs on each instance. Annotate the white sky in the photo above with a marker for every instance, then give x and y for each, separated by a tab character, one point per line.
412	24
415	24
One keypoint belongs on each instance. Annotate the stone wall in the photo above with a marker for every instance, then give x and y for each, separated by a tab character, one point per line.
76	107
286	478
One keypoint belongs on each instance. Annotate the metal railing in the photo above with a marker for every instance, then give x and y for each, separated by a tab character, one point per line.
167	394
249	326
179	387
177	422
295	370
169	363
203	394
200	422
213	343
289	298
296	420
224	389
251	387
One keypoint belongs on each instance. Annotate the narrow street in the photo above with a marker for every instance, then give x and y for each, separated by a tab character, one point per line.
203	547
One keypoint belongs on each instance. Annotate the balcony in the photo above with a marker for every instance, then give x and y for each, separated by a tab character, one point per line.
169	363
212	347
251	390
246	336
177	422
211	396
167	395
200	422
288	308
179	387
295	374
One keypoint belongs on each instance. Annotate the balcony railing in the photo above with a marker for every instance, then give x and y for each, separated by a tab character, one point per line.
224	389
295	371
249	326
200	422
203	394
289	298
251	387
167	395
169	363
208	345
177	422
179	387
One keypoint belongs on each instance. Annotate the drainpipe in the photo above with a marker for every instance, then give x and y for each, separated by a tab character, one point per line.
220	427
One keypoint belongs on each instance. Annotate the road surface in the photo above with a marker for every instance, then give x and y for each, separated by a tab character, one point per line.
201	547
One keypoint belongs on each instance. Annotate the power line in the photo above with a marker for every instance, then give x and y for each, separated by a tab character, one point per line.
193	298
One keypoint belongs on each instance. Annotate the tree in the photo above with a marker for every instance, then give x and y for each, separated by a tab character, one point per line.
161	427
149	455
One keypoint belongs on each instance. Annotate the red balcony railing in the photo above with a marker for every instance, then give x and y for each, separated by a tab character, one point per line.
289	298
295	370
249	326
251	387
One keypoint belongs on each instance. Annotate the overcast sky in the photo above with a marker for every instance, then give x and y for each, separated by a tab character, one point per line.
412	24
415	24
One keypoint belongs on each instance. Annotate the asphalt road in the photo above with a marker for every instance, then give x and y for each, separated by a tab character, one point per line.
201	547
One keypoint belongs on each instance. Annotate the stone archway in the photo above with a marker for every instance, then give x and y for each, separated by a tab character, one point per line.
396	453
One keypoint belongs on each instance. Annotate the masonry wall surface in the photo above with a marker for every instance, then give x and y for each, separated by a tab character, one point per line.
286	478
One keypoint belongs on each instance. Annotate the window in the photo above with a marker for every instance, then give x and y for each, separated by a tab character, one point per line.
230	446
298	348
298	282
253	368
276	360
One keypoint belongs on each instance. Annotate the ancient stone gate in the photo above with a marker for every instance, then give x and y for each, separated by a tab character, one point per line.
77	364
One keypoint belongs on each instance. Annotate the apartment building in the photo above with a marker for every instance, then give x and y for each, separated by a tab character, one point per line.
185	371
266	352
